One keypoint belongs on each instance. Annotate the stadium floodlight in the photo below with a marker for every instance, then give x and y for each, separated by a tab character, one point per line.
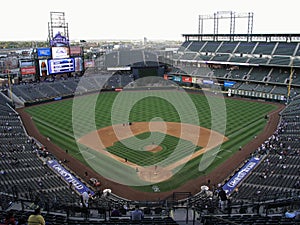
232	16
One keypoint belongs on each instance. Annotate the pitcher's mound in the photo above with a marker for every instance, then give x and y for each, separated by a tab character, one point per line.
153	148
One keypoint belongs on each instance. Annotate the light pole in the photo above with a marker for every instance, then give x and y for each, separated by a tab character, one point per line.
9	82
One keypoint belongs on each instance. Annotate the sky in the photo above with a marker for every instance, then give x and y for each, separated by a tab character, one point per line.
135	19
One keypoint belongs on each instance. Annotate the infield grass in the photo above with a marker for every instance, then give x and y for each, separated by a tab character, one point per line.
138	155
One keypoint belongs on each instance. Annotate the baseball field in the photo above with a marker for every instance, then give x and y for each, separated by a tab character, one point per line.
154	137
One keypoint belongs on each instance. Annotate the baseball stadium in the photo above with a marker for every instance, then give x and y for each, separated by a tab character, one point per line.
169	131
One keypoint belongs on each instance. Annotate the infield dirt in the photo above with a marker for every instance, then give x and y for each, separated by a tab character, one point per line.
101	139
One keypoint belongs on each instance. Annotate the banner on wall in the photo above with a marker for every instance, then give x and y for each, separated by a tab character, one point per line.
78	64
28	70
197	80
89	64
59	40
68	177
168	77
44	52
237	178
43	67
229	83
209	82
177	78
26	63
186	79
75	51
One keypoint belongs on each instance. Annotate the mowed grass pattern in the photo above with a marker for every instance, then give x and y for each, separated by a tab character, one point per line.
244	120
59	114
138	155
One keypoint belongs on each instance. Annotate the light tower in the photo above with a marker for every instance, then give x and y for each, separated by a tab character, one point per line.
232	16
57	25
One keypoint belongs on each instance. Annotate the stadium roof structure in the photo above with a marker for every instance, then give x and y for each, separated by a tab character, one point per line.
292	37
258	63
280	50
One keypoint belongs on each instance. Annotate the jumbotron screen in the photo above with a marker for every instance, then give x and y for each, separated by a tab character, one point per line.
60	52
61	66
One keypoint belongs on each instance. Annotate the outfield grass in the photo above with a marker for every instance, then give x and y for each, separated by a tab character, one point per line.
244	120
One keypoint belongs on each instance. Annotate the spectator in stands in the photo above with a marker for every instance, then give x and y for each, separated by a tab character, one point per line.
116	212
297	184
10	219
22	221
290	213
36	218
40	183
85	198
136	214
222	198
3	172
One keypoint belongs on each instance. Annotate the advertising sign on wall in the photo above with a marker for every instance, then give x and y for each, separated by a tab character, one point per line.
229	83
28	70
78	64
43	67
75	50
197	80
59	40
60	52
88	64
177	78
237	178
68	177
186	79
44	52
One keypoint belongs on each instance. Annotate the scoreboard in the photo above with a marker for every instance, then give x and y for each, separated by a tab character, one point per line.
57	60
61	65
